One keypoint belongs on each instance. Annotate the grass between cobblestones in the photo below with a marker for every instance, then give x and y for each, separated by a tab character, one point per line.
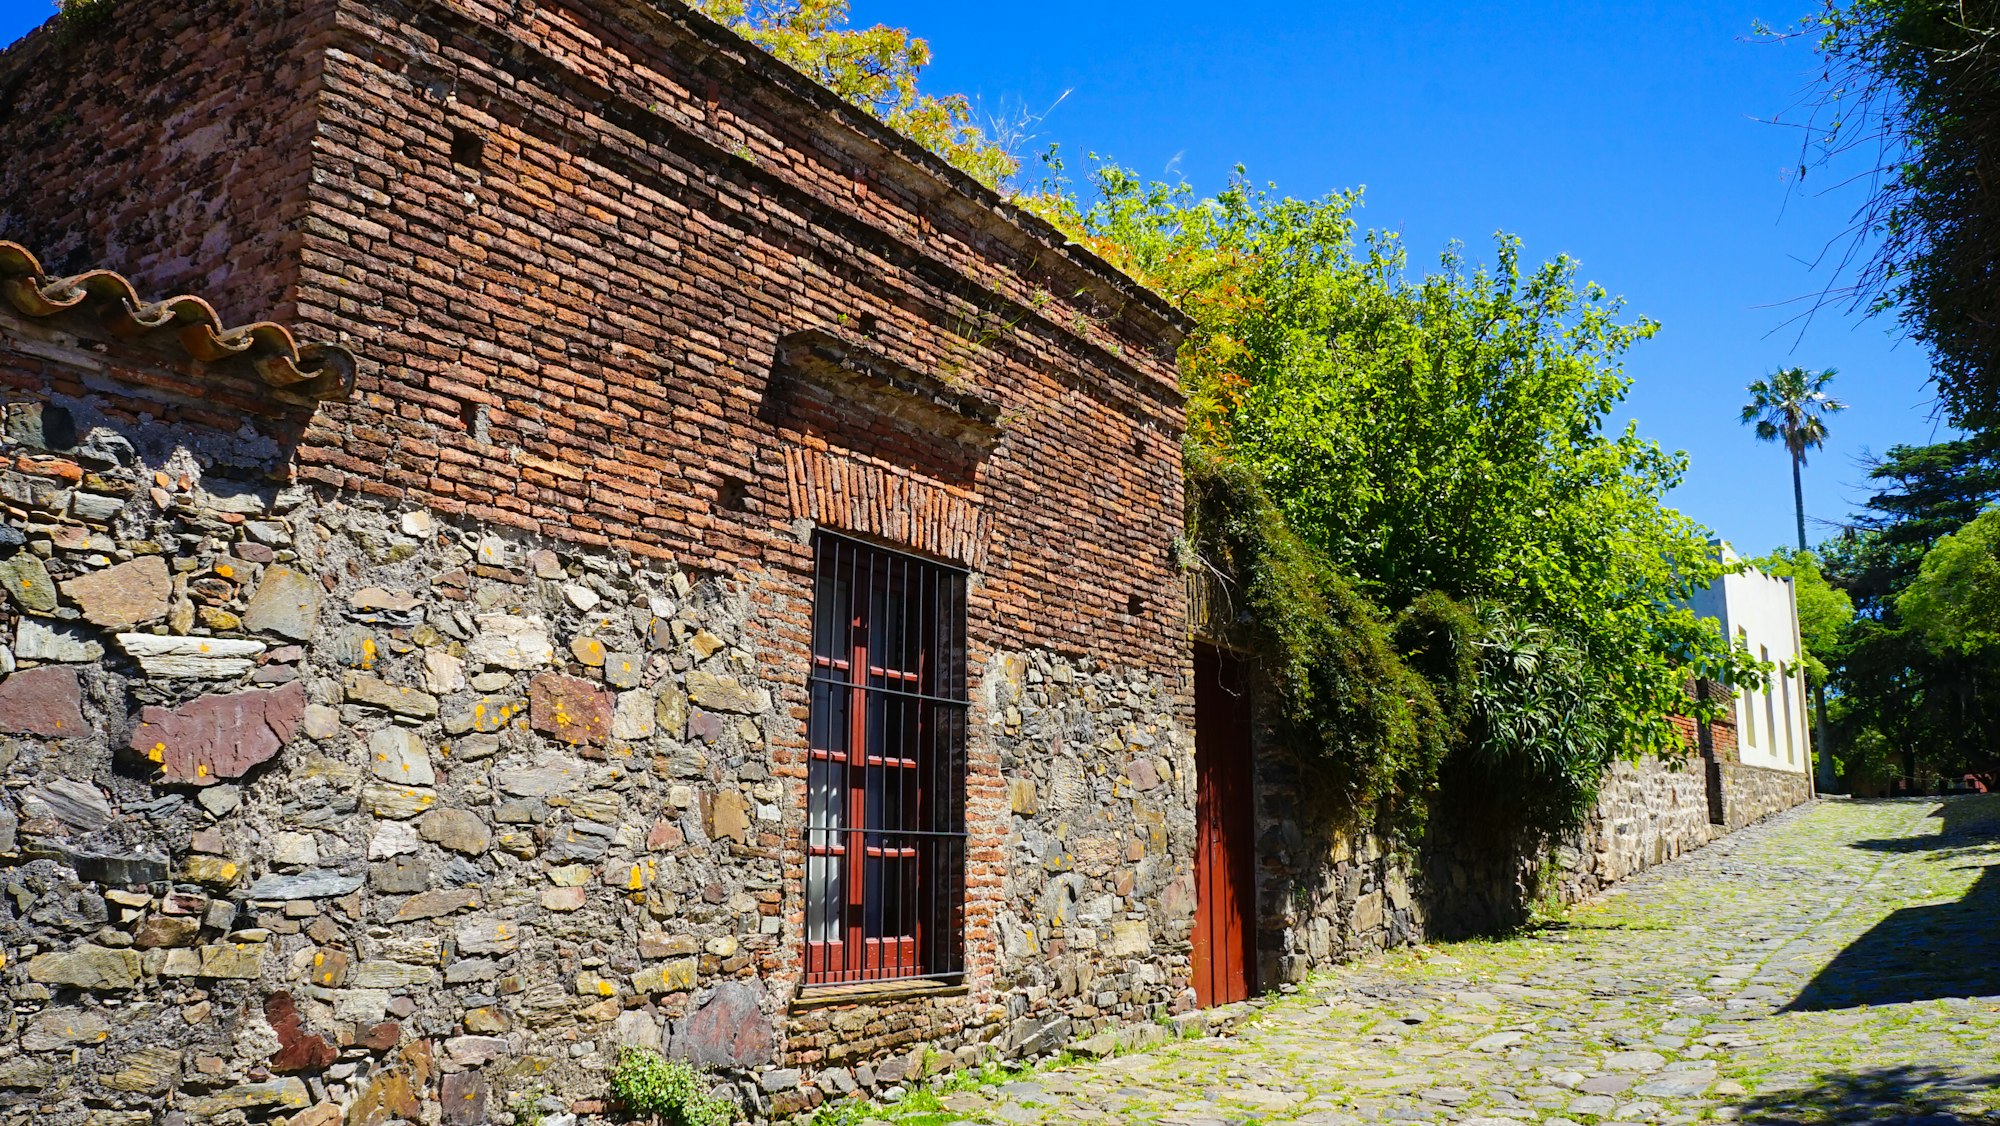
1839	963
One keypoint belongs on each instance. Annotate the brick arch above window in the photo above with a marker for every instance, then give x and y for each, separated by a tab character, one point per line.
886	503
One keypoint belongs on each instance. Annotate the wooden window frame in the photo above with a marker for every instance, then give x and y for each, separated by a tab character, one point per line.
885	826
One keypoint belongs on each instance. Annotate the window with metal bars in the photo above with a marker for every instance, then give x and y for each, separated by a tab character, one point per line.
885	823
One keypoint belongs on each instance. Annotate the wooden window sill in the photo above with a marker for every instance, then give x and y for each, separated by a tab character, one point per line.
873	992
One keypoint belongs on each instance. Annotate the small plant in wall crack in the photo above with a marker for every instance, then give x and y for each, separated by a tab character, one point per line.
527	1106
82	16
665	1092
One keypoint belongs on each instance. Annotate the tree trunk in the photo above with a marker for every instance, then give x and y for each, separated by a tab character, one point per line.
1799	500
1829	780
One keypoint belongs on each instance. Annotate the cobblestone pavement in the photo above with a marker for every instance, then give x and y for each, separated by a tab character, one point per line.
1837	963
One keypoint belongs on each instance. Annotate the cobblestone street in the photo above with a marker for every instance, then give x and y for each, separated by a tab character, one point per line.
1837	963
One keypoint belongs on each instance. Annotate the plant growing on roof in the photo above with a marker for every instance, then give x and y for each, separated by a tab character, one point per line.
875	68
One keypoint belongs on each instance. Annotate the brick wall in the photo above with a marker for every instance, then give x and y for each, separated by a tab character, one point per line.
172	146
574	330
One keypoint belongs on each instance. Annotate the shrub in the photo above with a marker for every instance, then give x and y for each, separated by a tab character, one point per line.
1542	727
1345	694
83	15
1439	638
666	1091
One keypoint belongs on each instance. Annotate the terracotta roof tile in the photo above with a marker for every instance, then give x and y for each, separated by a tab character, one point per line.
310	371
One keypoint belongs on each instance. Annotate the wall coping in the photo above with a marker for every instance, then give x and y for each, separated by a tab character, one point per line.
809	94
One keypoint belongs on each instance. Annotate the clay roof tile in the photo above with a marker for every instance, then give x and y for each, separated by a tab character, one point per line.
310	371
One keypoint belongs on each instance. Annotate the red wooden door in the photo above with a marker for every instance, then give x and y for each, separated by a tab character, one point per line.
1225	919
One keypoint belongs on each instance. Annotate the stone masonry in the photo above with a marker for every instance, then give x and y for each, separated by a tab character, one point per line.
1329	890
1741	794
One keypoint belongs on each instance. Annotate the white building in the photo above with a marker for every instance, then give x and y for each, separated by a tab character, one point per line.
1761	613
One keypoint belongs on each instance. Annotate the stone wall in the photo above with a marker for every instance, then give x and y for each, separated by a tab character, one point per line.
326	803
1656	809
319	804
1100	893
1752	793
1648	812
1329	891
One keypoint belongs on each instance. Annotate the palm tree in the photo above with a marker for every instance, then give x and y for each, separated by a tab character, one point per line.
1791	406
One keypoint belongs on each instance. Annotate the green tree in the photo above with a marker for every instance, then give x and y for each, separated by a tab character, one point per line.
1954	603
1791	407
1895	697
1952	610
1922	494
875	68
1444	432
1825	611
1910	109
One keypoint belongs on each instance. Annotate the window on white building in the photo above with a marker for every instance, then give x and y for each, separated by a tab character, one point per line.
1791	754
1749	701
1770	703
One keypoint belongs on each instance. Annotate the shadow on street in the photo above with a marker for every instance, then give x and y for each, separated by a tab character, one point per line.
1911	1096
1964	822
1926	953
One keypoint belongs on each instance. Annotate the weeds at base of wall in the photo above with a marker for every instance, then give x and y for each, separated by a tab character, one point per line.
1547	908
1175	1032
527	1107
648	1086
923	1106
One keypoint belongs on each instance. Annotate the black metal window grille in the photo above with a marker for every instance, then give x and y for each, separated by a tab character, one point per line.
885	823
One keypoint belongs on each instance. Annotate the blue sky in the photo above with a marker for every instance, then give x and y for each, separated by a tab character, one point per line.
1630	136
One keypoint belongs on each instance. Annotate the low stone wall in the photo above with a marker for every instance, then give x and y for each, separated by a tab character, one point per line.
1648	812
1752	793
1326	892
1330	892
